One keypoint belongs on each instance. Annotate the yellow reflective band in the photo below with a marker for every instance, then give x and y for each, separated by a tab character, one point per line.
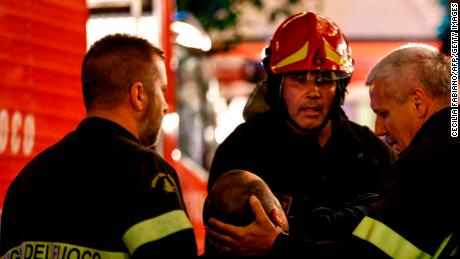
454	253
39	249
297	56
387	240
442	246
332	55
155	229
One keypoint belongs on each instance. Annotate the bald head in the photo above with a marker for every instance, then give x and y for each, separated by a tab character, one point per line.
228	199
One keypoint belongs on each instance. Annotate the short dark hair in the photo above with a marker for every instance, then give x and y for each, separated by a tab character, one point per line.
112	65
228	199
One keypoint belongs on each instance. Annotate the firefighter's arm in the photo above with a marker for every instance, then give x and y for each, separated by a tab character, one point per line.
343	221
155	216
262	237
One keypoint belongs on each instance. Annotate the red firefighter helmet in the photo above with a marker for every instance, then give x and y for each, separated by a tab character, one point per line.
308	41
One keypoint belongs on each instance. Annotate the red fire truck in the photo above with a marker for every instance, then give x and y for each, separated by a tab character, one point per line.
42	43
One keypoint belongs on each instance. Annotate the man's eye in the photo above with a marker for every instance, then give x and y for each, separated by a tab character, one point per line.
300	79
382	114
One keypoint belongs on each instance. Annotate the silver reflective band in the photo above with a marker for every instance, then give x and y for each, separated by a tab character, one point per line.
39	249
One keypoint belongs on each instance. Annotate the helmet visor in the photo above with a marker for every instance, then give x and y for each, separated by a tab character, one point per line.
320	77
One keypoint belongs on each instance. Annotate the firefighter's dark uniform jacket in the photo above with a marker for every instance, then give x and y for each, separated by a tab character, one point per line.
325	191
98	193
417	215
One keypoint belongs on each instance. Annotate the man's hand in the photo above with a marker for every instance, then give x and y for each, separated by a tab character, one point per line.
254	239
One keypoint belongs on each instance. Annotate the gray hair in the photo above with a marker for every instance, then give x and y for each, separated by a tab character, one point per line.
413	65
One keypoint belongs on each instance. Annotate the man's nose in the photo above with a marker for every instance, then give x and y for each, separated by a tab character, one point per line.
312	89
380	129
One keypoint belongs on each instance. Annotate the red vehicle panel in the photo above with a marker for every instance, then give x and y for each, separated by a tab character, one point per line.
42	43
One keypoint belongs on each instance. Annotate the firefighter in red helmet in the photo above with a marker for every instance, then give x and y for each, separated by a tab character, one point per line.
318	51
323	168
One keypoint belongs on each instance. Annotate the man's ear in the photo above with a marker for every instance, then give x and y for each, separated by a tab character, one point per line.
421	102
137	96
277	218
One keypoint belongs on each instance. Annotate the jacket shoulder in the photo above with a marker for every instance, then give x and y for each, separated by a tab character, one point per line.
366	138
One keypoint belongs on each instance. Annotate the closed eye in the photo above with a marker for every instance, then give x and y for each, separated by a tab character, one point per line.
300	79
382	114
